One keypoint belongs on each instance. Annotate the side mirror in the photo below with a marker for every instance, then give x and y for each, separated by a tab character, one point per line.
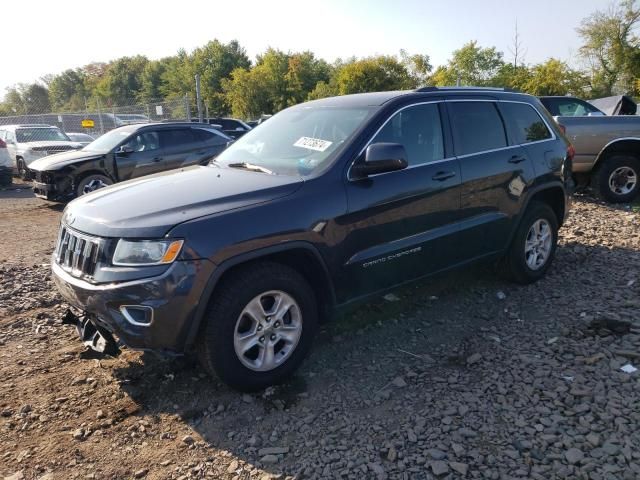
381	158
124	150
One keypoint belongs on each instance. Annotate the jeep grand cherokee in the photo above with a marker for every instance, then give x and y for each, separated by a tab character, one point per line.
327	203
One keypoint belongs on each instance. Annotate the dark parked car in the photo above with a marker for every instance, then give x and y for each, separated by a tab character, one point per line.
328	203
125	153
230	126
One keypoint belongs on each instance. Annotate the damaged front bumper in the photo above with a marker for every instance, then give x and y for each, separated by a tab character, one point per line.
156	313
94	336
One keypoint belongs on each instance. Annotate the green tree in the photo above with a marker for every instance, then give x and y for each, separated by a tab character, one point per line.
612	49
472	65
122	81
321	90
24	98
151	80
554	77
214	62
246	93
67	91
373	74
178	77
278	80
418	66
511	76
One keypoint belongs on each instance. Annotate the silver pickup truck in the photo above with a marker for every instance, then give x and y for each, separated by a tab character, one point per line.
607	147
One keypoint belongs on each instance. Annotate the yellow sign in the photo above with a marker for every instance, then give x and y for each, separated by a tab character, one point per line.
88	123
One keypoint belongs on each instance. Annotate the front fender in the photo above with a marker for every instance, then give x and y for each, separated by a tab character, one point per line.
226	265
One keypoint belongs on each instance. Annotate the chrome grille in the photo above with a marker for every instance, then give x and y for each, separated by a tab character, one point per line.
78	253
54	148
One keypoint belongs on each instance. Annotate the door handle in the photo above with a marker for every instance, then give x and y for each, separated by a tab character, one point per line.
157	159
517	159
442	176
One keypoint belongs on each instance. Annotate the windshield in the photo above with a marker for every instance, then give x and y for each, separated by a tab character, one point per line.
296	141
24	135
108	141
571	107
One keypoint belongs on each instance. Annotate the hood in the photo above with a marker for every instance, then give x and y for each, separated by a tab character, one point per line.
150	206
59	160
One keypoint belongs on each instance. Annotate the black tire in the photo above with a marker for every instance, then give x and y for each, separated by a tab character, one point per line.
516	266
600	179
215	346
91	183
22	168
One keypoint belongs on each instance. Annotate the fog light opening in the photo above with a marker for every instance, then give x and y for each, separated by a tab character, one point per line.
137	314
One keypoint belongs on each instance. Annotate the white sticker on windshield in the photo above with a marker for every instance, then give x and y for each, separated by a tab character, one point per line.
313	143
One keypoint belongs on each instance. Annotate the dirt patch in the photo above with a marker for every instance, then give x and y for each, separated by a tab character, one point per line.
461	376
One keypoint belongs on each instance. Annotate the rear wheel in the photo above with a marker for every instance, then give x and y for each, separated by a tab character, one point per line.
22	168
91	183
258	327
534	245
618	178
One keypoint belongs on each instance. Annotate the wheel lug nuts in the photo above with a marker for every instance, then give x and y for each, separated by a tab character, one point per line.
273	337
277	324
262	339
259	327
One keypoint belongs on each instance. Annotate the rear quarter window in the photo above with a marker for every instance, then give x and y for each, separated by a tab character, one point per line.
524	123
208	136
177	138
477	127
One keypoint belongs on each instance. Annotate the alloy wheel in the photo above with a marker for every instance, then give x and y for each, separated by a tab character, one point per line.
537	247
267	331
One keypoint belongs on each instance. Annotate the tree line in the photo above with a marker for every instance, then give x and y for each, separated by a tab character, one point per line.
231	84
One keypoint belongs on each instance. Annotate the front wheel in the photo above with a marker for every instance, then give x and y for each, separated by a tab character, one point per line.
618	179
91	183
258	327
534	245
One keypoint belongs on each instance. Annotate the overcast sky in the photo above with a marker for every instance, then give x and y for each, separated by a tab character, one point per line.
44	36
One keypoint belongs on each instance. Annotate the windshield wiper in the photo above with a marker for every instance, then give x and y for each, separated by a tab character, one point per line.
251	166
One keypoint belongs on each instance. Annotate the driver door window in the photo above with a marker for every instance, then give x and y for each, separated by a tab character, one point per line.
143	158
143	142
419	130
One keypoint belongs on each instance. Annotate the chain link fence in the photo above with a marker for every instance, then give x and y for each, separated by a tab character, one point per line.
101	119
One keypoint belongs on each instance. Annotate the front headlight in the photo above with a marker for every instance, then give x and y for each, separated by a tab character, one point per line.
131	253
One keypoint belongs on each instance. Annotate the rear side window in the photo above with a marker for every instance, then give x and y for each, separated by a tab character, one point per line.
208	136
231	124
477	127
177	138
524	123
419	129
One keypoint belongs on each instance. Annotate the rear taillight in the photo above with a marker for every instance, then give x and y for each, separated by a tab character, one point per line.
571	152
563	129
3	144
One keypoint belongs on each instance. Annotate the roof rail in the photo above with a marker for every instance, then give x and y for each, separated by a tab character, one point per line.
452	88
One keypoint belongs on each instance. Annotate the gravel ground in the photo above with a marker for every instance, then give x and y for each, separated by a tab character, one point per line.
464	376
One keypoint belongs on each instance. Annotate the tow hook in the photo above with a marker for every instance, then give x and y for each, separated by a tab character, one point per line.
93	336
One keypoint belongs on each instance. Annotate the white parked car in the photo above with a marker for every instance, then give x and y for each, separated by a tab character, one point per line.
26	143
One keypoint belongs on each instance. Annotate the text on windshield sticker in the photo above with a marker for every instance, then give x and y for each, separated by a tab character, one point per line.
316	144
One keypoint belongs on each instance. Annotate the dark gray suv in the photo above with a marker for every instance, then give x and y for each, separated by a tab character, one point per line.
327	203
124	153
